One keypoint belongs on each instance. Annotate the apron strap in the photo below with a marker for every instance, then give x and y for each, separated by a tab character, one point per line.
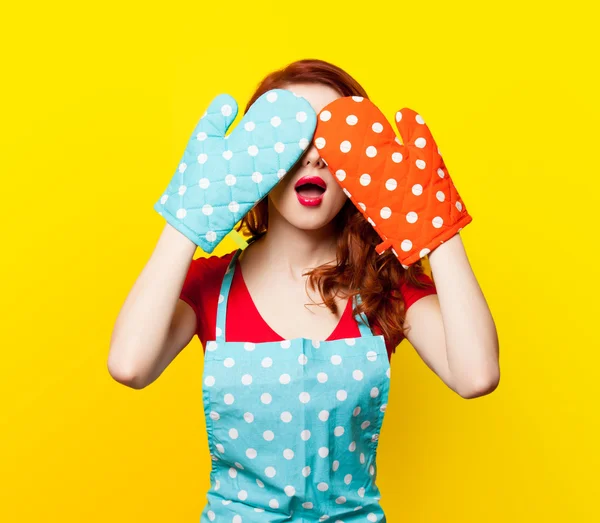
224	297
361	320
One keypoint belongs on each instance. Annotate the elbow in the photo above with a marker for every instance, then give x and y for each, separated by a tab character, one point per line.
483	384
127	375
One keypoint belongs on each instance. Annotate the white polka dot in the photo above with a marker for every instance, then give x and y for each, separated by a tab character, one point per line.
288	454
371	151
286	344
325	116
302	359
323	452
316	344
232	472
305	435
257	177
289	490
406	245
306	471
336	359
372	470
356	411
417	189
397	157
220	447
284	379
371	355
275	121
440	172
351	119
233	433
270	472
322	377
266	362
440	196
229	362
242	495
237	519
345	146
335	465
459	207
374	392
377	127
272	97
362	458
251	453
391	184
365	179
347	193
209	381
249	346
371	517
304	397
239	465
207	209
419	119
279	147
371	222
233	207
230	180
260	483
303	143
324	415
421	164
164	199
249	126
307	505
204	183
182	189
341	395
228	399
340	500
320	142
361	492
268	435
385	213
301	116
348	479
181	213
226	110
248	417
266	398
350	341
437	222
211	515
339	430
358	375
365	424
411	217
323	486
424	252
227	155
286	416
357	98
352	446
420	142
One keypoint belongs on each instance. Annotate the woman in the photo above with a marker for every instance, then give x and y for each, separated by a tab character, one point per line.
294	393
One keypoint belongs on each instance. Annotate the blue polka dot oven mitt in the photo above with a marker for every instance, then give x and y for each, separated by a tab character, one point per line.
220	178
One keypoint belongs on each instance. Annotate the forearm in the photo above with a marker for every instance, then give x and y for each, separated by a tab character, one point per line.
142	325
471	337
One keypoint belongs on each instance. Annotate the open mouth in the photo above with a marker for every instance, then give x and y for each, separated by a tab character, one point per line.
310	190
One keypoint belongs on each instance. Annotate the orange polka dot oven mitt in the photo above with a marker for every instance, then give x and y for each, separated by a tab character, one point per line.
402	188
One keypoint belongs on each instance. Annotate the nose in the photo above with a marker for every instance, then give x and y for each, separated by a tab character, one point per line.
313	159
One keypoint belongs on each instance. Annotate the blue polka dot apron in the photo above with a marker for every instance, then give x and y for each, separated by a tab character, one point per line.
293	426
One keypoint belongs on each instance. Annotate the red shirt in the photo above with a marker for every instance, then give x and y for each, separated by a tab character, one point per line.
201	291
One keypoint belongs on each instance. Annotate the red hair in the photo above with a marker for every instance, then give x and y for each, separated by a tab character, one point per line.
359	268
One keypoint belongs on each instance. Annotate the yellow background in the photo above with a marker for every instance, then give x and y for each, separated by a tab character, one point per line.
99	100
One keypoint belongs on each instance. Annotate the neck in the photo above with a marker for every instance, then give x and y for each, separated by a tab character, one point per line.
295	248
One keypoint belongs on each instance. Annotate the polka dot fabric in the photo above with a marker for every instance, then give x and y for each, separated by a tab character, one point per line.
402	188
293	426
220	178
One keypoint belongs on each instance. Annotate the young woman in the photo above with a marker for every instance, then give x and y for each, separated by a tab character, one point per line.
298	330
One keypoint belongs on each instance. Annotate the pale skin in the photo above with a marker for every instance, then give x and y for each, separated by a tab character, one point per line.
452	331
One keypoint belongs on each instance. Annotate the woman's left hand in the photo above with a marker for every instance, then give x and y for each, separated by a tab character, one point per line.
403	190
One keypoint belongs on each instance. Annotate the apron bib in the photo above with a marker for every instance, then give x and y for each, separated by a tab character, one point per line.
293	426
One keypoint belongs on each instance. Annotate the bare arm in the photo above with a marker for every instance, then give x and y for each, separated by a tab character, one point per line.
154	325
454	332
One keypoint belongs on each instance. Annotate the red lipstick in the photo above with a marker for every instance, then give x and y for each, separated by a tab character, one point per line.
310	190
